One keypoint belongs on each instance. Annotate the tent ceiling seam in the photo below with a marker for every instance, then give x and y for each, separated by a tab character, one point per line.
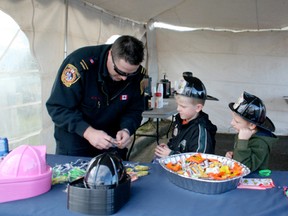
111	14
169	9
189	29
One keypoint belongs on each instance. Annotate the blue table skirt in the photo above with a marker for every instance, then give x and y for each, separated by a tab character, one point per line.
156	195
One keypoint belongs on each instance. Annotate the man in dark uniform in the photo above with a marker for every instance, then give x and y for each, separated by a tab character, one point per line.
97	99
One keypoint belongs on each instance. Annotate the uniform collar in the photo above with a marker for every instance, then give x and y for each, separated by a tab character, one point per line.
103	70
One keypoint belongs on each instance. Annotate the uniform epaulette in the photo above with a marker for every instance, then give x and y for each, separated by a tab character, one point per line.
85	64
143	71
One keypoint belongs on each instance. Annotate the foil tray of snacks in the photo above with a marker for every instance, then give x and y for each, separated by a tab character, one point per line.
204	173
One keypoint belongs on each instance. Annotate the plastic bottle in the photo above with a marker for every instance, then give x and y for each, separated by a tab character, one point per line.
159	96
4	147
153	97
158	100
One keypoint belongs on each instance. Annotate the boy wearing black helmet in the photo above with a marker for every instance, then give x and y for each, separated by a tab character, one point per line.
192	131
255	138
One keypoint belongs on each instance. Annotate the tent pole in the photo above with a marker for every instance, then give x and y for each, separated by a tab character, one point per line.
66	28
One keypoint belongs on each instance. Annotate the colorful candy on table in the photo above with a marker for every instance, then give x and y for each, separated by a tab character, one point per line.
69	172
207	168
136	171
285	189
256	183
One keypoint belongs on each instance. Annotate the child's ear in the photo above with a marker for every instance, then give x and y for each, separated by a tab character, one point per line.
252	126
199	107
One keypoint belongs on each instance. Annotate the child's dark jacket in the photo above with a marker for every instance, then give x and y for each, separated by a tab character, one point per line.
198	135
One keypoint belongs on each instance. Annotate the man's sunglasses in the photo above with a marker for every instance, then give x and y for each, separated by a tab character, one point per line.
121	73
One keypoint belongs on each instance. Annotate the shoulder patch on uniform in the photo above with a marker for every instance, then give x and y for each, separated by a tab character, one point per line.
70	75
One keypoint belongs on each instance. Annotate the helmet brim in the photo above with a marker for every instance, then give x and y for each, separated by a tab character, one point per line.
209	97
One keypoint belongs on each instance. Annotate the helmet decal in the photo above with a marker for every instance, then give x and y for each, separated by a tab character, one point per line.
239	101
191	87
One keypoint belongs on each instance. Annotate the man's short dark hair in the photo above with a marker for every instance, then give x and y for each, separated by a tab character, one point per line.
128	48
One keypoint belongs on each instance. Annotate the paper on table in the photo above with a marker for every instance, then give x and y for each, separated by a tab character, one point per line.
256	183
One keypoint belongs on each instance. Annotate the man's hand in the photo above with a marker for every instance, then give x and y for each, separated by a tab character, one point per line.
123	138
99	139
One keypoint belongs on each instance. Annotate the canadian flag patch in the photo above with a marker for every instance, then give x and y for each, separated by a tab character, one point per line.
123	97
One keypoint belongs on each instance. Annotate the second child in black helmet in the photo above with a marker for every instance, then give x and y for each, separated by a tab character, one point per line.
192	130
254	139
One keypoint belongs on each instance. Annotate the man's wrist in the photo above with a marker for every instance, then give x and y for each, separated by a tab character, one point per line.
125	129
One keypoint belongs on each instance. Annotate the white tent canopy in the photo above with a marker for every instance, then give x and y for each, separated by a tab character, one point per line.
220	14
254	60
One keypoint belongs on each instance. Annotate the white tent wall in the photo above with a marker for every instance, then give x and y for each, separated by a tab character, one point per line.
152	63
228	64
44	23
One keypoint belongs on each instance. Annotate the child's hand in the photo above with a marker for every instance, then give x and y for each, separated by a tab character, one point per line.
162	150
229	154
245	133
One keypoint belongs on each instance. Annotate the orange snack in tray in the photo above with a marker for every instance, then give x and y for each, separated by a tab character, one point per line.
236	170
174	167
197	158
217	176
213	160
226	172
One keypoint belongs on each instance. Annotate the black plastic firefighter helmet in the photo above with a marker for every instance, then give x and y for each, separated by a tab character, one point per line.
103	190
105	170
193	87
252	109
